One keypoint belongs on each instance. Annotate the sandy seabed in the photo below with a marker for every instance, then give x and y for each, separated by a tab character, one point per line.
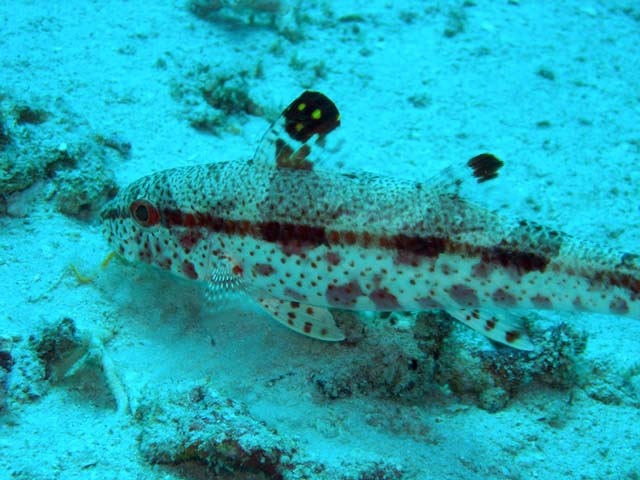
126	372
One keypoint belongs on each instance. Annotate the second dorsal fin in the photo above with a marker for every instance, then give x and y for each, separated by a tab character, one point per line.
289	141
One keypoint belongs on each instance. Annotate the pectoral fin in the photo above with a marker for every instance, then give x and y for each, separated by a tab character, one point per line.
224	288
498	325
314	322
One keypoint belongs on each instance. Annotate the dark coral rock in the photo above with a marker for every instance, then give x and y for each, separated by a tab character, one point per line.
508	368
32	151
556	360
6	364
5	139
209	98
3	390
17	172
204	8
27	115
431	330
493	399
59	160
493	376
67	360
212	431
56	344
456	22
83	180
381	471
381	360
6	360
333	387
230	94
352	327
115	142
21	373
408	356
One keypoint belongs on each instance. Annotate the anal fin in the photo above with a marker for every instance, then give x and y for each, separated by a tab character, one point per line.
498	325
314	322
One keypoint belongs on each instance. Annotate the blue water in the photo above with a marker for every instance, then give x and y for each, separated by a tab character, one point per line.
122	371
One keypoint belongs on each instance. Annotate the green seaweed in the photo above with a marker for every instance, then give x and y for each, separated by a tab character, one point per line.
546	73
204	8
456	22
230	95
209	99
28	115
409	356
5	139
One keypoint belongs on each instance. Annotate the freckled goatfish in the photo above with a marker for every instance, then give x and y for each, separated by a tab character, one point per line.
302	241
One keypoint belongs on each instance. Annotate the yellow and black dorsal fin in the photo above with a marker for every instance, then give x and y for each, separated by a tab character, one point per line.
305	122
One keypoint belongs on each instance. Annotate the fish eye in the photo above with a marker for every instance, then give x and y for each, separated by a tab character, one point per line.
144	213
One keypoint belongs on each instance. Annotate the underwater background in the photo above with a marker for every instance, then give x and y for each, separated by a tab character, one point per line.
111	370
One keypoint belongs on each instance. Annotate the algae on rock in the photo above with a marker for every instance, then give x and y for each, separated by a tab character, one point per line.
410	356
210	98
31	150
193	428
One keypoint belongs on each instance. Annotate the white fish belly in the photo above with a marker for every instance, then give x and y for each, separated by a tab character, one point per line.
371	279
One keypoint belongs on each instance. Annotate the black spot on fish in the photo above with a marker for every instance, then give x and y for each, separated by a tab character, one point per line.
485	166
384	300
464	295
541	301
343	295
504	298
309	114
619	306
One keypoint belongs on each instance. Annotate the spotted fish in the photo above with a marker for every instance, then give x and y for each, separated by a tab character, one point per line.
302	241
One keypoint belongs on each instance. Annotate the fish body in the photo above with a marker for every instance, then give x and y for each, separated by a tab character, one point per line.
303	241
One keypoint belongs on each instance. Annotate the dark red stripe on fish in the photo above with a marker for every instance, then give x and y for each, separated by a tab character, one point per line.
415	246
626	281
509	257
408	249
287	232
412	250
